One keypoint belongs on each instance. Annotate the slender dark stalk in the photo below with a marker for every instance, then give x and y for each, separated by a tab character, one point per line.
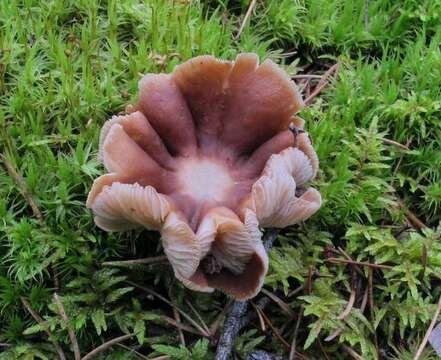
23	188
44	326
184	314
361	263
292	353
70	331
237	317
246	18
145	261
106	346
231	329
332	71
429	331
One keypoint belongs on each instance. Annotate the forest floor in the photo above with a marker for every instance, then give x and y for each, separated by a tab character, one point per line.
361	278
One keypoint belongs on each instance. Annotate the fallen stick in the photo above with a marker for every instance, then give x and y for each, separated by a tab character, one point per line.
340	330
30	199
332	71
395	143
44	326
178	320
411	217
145	261
70	331
361	263
352	353
306	77
348	307
22	187
183	313
246	18
292	352
274	329
106	345
429	331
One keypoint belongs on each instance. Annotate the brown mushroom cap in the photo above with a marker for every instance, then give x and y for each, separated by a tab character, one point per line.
206	157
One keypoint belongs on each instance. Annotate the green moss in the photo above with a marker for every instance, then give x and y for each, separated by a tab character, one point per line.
67	66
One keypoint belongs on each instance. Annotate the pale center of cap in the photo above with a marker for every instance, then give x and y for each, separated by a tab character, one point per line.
204	179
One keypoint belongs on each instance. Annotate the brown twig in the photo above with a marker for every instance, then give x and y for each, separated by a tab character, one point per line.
106	345
22	187
394	143
333	70
259	315
307	89
251	315
44	326
334	334
400	159
274	330
322	349
361	263
145	261
346	255
401	229
245	19
72	337
29	198
296	291
306	77
364	300
183	313
292	352
133	351
204	325
352	353
180	325
349	306
411	217
283	305
308	289
371	301
429	331
340	330
178	320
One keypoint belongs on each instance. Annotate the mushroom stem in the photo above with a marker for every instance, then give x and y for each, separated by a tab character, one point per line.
237	317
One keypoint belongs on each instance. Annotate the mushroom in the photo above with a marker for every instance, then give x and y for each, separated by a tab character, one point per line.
208	155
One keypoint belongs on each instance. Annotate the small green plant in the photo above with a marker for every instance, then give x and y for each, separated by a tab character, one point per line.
198	352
